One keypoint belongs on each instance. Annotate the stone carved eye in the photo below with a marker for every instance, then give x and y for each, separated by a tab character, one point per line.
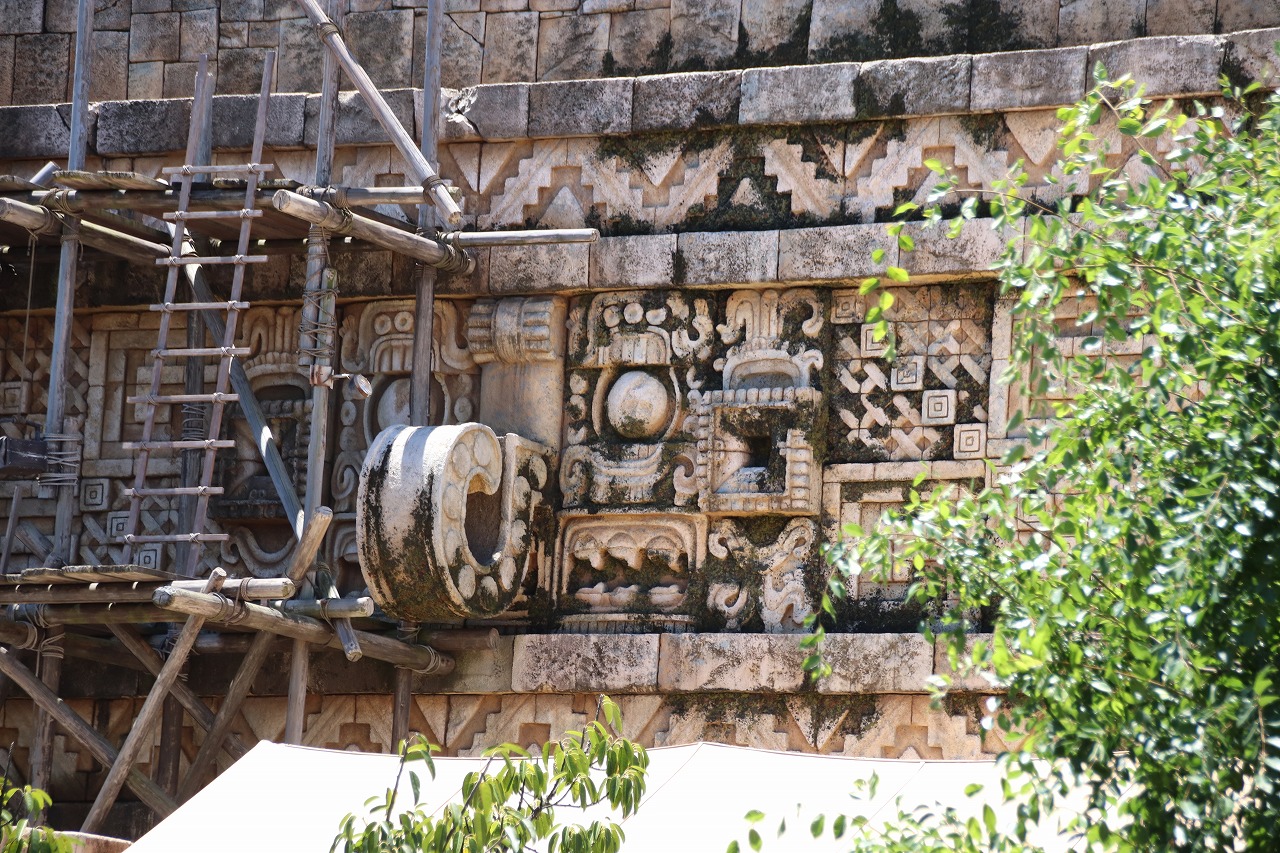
639	406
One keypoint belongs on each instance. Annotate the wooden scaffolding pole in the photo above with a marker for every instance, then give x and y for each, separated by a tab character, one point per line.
421	169
142	729
149	792
315	343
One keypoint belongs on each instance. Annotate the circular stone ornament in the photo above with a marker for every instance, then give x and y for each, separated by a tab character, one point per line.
417	486
638	405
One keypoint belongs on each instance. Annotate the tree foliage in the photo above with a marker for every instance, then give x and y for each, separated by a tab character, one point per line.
511	805
1129	550
17	834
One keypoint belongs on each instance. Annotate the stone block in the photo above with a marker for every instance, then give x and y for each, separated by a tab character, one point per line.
242	10
234	35
1034	25
585	663
976	248
146	80
984	682
776	29
1169	65
111	15
683	101
199	35
877	663
301	58
1237	15
1179	17
262	34
1092	21
22	16
553	5
726	257
279	10
475	284
1252	56
146	7
476	671
35	132
180	78
799	94
59	16
110	78
636	39
580	107
514	55
504	5
194	5
534	269
835	25
572	47
235	115
452	6
42	69
1029	79
155	37
142	127
929	86
499	111
640	261
463	42
834	253
356	124
6	70
383	43
745	663
704	33
240	71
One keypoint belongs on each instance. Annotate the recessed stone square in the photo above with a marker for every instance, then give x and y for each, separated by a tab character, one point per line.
970	441
907	373
938	408
95	494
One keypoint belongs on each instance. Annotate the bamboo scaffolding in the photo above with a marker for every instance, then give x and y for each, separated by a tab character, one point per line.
259	589
330	608
208	198
149	792
24	635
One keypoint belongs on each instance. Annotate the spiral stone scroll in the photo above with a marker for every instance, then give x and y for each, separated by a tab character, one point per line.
446	519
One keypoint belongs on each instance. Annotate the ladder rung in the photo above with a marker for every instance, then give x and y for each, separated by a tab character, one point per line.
182	215
199	306
177	537
243	168
175	490
211	260
164	399
191	351
184	444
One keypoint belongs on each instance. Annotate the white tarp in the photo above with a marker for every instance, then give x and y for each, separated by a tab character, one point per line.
290	798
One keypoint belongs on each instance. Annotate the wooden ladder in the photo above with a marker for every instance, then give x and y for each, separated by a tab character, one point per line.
182	254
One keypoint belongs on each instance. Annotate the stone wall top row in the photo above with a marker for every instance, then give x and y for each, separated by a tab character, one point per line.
147	49
839	92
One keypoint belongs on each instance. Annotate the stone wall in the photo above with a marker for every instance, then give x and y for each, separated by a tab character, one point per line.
148	49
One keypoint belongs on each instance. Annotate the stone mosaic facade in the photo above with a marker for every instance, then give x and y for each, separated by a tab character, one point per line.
677	419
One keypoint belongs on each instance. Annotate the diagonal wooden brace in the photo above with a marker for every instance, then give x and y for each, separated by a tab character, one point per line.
143	726
148	791
303	557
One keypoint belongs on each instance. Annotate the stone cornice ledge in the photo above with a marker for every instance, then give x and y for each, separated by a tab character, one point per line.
802	94
836	255
737	663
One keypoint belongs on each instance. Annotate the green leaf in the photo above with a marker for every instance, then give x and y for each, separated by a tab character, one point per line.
897	274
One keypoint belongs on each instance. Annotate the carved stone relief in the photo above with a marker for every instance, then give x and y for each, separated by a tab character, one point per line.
633	357
768	580
637	563
930	402
449	519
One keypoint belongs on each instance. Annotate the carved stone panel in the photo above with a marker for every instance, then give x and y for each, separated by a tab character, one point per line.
931	400
762	577
633	359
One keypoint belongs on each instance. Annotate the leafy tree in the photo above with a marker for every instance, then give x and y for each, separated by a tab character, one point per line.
17	835
1128	559
513	807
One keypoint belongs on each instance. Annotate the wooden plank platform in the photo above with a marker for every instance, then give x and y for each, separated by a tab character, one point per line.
12	183
77	180
89	574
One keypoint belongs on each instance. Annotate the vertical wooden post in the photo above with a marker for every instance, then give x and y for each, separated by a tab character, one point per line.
313	342
424	313
55	414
